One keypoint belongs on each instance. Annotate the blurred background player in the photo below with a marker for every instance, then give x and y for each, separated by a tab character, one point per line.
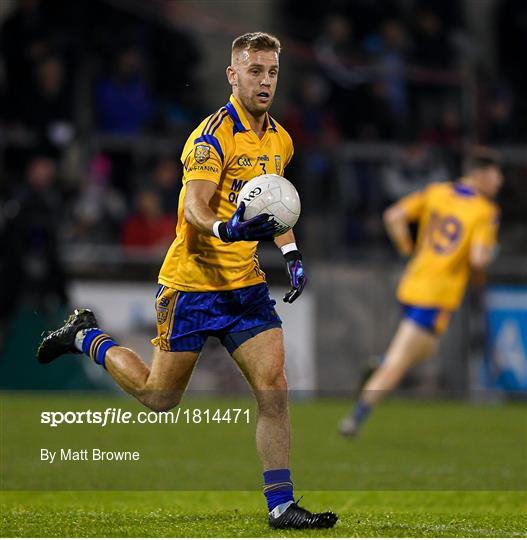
211	283
457	228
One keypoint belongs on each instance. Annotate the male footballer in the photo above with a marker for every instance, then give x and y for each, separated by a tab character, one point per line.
457	228
210	283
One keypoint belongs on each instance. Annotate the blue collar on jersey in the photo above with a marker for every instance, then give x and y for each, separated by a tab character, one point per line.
239	126
270	122
466	191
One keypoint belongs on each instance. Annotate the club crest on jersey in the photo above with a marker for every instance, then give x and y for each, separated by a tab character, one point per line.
278	163
162	310
202	153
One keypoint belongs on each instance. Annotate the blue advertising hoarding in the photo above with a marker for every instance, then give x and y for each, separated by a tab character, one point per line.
505	363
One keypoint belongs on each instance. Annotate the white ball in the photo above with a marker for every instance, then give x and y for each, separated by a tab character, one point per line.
271	194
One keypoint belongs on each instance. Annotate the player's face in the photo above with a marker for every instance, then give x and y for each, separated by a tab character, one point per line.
490	181
254	76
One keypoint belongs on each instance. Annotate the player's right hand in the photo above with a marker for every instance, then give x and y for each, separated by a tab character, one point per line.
256	228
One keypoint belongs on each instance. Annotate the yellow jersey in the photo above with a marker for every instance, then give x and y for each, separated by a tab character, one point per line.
452	218
225	150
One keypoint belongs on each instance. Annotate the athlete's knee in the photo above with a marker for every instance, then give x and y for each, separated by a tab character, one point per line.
160	406
272	397
160	401
274	379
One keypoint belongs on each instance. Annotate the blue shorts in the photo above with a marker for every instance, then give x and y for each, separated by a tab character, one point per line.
435	320
186	319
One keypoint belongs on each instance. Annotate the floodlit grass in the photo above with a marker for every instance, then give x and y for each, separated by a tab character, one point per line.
425	469
183	514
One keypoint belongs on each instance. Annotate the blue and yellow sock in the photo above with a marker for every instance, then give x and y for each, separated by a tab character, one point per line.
278	487
361	412
95	343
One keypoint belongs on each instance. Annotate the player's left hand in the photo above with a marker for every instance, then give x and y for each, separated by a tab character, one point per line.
297	277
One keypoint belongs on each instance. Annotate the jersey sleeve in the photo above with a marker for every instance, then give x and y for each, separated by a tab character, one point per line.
486	229
203	158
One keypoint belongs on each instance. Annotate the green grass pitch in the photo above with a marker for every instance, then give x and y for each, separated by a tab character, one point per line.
424	469
239	513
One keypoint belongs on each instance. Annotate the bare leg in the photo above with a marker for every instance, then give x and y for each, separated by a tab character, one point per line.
261	360
160	387
410	345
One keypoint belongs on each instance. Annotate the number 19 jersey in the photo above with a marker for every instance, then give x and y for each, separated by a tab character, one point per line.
224	150
451	219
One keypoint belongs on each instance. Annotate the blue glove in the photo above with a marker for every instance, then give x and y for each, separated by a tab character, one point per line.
257	228
298	279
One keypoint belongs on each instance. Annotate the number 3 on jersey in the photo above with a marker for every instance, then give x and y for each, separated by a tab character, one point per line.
262	165
443	233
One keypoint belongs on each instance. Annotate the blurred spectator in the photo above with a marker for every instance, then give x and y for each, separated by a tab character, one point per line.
432	47
166	181
387	100
501	128
24	41
391	54
447	135
432	50
124	104
31	269
175	60
303	23
336	51
313	126
375	70
450	11
342	64
99	209
370	14
412	169
48	109
148	227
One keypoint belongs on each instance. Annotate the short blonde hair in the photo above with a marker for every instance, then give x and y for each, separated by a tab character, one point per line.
256	41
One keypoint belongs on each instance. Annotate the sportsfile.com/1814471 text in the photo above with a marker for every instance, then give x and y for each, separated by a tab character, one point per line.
112	415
